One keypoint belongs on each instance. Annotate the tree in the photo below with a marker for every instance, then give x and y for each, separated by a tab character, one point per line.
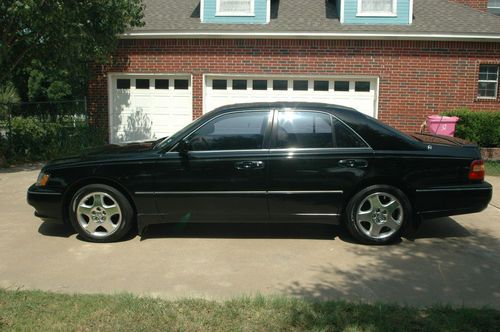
47	45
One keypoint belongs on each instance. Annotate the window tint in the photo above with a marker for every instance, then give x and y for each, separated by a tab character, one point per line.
320	85
300	85
239	84
237	131
259	85
304	130
219	84
181	84
341	86
361	86
343	137
142	84
280	85
122	83
161	84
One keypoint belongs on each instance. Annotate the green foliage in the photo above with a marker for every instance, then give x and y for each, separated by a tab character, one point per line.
482	128
46	46
41	311
32	140
8	95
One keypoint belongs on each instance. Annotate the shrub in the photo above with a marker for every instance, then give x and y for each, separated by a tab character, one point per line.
482	128
33	140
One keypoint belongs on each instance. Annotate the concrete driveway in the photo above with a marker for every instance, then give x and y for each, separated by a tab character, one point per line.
451	260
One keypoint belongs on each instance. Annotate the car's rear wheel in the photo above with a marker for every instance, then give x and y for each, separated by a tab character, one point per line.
100	213
378	214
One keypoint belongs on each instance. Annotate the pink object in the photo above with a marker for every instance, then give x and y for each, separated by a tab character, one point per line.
442	125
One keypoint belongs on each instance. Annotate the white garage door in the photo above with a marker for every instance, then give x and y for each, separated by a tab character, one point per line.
148	107
356	92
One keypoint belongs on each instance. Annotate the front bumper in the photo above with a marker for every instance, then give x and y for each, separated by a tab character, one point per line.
47	204
453	200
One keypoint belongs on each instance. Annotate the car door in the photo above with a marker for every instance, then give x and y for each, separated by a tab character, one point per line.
222	176
315	159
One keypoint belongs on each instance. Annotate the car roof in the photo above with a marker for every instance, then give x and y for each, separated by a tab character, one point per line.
283	104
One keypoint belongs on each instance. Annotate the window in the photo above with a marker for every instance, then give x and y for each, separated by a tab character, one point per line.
219	84
494	6
122	83
161	84
300	85
320	85
361	86
142	84
181	84
488	81
344	137
280	85
341	86
376	7
304	130
236	131
259	84
235	7
239	84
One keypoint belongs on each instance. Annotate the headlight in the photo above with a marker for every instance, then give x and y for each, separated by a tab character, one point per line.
42	180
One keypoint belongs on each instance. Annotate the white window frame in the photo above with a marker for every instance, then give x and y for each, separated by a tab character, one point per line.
488	81
394	12
219	13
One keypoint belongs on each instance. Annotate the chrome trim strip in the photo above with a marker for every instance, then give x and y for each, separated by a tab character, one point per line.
245	192
451	189
318	214
43	193
293	192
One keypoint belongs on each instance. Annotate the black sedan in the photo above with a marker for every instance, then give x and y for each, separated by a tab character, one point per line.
267	162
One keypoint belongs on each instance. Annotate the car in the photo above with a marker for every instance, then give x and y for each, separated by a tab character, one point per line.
267	162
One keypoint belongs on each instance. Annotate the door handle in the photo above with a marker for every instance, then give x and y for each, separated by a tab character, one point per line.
245	165
353	163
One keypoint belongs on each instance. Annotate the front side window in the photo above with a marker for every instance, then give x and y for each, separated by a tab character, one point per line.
488	81
235	131
377	7
234	7
313	130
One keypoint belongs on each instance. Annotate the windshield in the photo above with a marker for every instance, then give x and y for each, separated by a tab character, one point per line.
179	134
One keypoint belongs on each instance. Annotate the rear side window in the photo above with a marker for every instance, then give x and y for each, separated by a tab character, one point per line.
235	131
308	129
304	130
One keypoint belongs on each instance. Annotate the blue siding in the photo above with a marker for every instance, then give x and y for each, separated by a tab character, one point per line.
260	11
351	9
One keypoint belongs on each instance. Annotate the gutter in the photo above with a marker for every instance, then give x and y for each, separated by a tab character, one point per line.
311	35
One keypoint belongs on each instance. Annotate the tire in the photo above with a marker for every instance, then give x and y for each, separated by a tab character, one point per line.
100	213
378	214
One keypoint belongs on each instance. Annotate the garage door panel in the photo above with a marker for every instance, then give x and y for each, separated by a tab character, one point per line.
157	110
360	92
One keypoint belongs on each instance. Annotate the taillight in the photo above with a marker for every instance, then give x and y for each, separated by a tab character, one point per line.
476	170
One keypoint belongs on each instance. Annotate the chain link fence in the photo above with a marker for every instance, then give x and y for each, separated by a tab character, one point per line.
39	131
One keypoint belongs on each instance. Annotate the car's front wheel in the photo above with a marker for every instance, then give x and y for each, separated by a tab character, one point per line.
100	213
378	214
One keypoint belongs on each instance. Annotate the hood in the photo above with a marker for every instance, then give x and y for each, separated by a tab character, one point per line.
107	152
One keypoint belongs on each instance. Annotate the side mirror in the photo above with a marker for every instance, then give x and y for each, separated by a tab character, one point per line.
183	147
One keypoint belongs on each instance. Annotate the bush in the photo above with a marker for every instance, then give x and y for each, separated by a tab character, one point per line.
33	140
482	128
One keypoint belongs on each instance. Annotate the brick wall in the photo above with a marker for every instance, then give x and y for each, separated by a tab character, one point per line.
481	5
417	78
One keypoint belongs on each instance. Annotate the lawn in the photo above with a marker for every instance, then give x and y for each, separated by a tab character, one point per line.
492	168
36	310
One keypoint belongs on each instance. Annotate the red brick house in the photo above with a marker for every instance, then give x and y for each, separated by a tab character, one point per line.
396	60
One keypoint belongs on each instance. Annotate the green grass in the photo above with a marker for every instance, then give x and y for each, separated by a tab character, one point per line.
492	168
36	310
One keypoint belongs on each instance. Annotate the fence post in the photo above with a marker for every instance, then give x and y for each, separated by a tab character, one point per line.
9	131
